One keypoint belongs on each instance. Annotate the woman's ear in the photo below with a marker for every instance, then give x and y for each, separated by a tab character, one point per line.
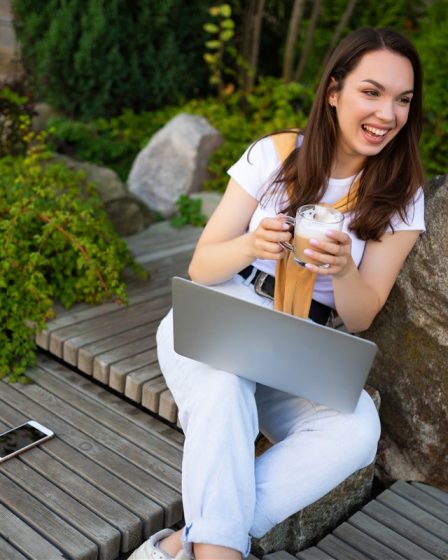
332	90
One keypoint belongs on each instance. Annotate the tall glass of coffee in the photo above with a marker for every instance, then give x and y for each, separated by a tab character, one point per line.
311	222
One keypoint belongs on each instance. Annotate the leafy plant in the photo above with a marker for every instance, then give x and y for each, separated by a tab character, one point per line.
189	212
16	110
56	243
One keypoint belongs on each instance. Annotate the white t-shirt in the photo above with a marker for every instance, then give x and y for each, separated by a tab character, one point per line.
255	174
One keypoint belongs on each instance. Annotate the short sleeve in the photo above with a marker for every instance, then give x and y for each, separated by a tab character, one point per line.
256	168
415	215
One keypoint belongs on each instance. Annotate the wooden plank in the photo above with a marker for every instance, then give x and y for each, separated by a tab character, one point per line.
422	500
339	550
106	399
116	489
151	392
129	527
313	553
119	370
125	358
8	552
129	318
24	538
361	541
436	493
51	526
389	538
279	555
124	467
93	527
107	418
415	513
87	353
74	316
59	336
135	379
167	406
408	529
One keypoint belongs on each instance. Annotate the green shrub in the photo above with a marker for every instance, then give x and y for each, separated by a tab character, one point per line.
91	59
188	212
56	243
240	119
16	110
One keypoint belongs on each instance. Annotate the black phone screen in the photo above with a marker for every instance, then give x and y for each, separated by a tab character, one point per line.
18	438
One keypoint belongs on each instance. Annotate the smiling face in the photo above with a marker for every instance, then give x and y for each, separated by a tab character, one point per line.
371	108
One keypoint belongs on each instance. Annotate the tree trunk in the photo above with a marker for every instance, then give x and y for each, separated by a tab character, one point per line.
252	73
293	30
339	29
308	41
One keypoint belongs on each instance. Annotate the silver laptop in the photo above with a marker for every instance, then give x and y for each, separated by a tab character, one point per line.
275	349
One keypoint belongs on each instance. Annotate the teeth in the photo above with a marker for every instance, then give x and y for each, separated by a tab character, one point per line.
376	131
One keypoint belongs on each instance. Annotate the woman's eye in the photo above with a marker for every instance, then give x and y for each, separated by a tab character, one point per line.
405	100
371	93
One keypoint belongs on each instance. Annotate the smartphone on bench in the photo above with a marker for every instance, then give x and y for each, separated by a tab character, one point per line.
21	438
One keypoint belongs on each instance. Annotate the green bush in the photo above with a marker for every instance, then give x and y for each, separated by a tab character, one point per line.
240	119
56	243
432	41
16	110
90	58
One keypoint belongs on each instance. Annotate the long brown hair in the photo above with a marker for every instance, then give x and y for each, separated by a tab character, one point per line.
390	178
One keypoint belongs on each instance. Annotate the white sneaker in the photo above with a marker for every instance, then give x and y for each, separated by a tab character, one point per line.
150	550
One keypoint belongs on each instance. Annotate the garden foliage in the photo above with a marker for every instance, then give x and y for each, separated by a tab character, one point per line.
56	243
92	58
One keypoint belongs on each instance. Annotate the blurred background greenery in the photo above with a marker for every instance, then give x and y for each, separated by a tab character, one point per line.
118	70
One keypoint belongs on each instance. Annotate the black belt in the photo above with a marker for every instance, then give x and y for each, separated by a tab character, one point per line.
264	285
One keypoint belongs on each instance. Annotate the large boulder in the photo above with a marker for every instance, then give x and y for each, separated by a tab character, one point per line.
174	162
411	369
128	213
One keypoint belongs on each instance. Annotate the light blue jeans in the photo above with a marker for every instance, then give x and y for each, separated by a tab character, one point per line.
227	493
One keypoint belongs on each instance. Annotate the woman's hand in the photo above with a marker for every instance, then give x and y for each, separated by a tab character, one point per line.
266	238
335	252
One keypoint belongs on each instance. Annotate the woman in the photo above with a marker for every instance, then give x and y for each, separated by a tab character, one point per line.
361	139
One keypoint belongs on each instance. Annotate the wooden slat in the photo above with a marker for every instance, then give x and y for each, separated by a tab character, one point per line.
422	500
93	527
119	322
106	399
280	555
75	316
167	406
51	526
121	464
135	380
125	358
8	552
313	553
108	418
132	315
87	353
436	493
408	529
151	392
119	370
24	538
415	513
339	550
361	541
389	538
150	514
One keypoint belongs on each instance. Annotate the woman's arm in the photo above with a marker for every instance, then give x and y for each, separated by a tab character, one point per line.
361	293
225	247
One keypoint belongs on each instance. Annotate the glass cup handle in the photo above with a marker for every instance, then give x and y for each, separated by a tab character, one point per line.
291	221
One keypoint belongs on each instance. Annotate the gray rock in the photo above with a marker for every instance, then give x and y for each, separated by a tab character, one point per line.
174	162
411	368
128	213
44	112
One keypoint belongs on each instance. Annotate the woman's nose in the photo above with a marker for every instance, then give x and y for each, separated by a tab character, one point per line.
386	111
